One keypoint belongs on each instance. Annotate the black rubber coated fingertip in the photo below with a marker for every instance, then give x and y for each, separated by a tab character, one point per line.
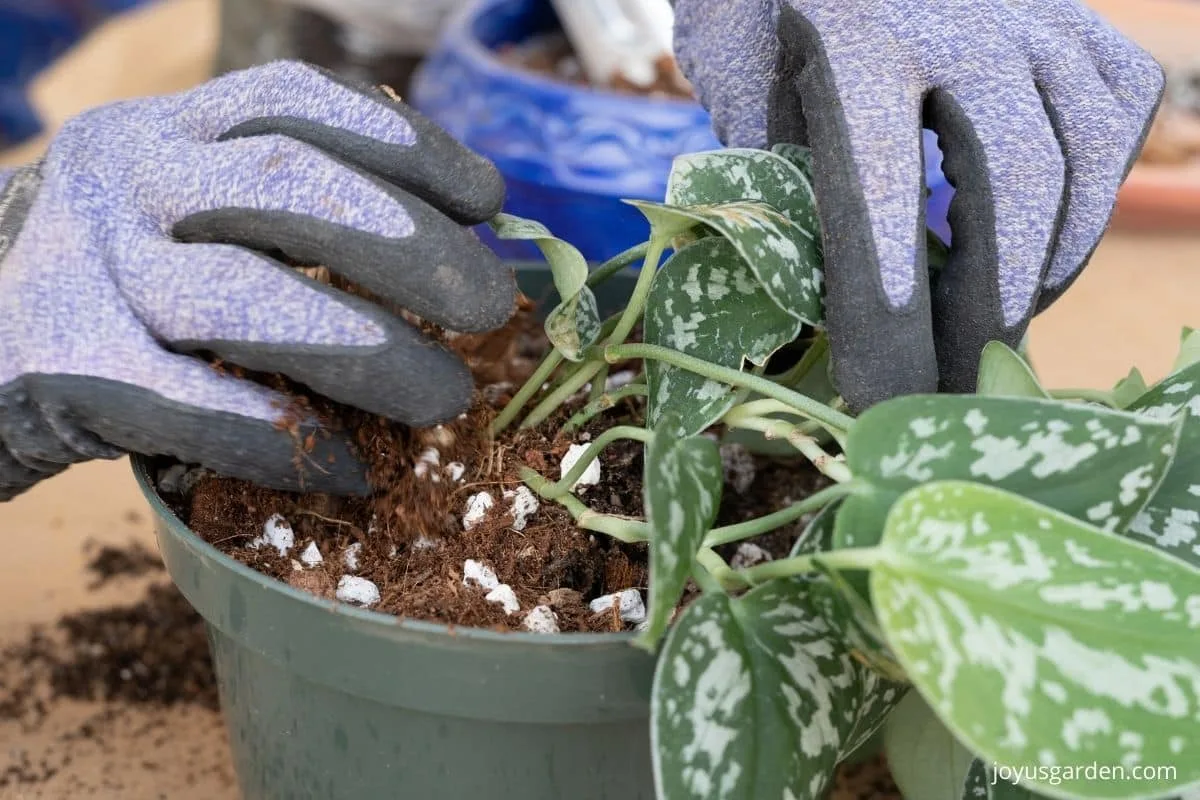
440	398
464	185
326	462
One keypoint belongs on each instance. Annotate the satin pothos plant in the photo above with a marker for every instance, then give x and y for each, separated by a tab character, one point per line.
1027	561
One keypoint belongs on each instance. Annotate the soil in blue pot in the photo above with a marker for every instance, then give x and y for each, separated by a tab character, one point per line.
570	152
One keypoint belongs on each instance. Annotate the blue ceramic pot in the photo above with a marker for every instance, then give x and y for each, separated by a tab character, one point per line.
569	153
32	34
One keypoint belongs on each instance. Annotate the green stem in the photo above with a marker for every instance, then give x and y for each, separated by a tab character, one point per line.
771	522
758	408
624	529
1089	395
539	378
598	384
593	451
763	408
834	420
531	388
829	466
641	291
714	565
707	582
745	391
602	404
565	391
862	558
617	263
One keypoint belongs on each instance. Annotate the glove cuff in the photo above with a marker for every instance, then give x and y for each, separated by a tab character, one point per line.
17	190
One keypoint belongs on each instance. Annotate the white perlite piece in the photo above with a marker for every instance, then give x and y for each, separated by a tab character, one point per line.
357	591
476	574
524	505
620	380
629	603
477	509
350	556
748	555
311	556
277	533
504	595
456	470
541	620
428	463
739	467
591	475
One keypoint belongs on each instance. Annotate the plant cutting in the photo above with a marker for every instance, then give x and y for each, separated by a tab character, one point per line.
1022	560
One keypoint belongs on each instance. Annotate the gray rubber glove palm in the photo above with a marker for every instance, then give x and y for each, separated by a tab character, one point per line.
147	234
1040	106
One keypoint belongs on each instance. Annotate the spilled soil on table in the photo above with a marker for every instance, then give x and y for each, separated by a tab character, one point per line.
117	680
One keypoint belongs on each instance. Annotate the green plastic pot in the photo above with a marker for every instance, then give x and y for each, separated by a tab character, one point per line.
323	700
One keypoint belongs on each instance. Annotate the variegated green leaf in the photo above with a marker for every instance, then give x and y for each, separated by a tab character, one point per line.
1189	350
841	600
1172	519
1094	463
800	157
682	486
574	325
1129	389
818	535
926	761
1003	373
785	259
735	175
757	698
1039	639
707	303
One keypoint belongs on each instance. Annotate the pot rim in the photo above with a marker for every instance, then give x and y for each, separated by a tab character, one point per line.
383	622
460	37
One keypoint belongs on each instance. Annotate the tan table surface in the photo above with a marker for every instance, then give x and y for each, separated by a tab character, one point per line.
1128	309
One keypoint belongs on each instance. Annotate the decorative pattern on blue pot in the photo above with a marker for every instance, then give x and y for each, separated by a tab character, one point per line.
569	154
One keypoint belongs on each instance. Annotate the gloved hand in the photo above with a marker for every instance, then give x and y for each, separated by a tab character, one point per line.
149	232
1040	106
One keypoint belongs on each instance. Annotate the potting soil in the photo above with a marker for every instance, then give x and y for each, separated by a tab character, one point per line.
414	537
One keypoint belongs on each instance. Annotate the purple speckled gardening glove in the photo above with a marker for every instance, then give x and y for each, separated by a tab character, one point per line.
1041	108
147	233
